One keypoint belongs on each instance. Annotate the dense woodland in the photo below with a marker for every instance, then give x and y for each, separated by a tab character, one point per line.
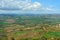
29	26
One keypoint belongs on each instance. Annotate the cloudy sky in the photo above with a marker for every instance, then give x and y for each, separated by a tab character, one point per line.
29	6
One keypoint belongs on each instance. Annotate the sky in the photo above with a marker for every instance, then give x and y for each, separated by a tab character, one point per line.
29	6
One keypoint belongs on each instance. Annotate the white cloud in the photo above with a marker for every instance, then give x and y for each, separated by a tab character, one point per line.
19	4
49	9
24	5
36	5
33	6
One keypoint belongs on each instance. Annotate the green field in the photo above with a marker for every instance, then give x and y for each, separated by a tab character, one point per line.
30	27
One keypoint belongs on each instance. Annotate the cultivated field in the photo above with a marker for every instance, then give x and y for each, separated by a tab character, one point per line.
30	27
